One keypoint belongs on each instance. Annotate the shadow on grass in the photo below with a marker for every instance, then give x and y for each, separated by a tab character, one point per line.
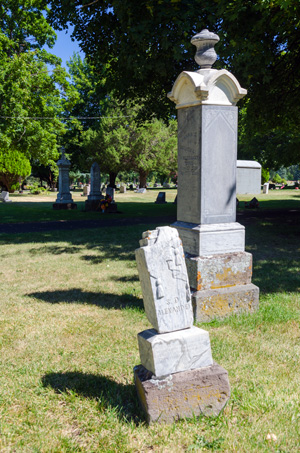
121	399
77	296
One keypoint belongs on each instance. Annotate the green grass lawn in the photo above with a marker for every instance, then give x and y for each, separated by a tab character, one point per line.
70	311
38	208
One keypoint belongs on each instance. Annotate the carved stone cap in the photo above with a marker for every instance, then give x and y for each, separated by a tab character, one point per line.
205	54
206	86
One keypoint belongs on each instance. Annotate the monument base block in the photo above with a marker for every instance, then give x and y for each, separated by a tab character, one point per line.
172	352
204	391
112	208
222	302
219	271
92	205
58	206
211	239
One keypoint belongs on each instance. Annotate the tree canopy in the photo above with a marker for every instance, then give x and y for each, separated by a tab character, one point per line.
32	98
145	44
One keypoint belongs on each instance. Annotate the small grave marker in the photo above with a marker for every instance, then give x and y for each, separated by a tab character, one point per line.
4	196
161	198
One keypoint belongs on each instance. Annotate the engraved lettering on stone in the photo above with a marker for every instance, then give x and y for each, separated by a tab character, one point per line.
164	280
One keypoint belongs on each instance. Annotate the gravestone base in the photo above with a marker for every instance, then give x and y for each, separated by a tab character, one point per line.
92	205
222	302
58	206
112	208
172	352
219	271
211	239
203	391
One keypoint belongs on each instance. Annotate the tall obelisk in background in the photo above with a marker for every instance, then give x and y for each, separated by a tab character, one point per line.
214	243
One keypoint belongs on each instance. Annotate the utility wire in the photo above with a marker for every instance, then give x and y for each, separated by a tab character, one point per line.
62	118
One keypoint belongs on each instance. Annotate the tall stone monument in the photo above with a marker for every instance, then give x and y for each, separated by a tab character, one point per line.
177	377
214	243
95	195
64	198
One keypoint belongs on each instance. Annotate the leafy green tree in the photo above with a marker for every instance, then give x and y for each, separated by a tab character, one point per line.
14	166
109	145
47	173
31	99
265	175
91	103
154	147
145	45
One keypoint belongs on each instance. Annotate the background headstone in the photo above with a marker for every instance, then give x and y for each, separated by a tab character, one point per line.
64	198
95	192
4	196
161	198
94	189
248	177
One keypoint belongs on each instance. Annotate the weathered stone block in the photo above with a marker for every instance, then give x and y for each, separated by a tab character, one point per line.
164	280
222	302
212	239
219	271
201	391
172	352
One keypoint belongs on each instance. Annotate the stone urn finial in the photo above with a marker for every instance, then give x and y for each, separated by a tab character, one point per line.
205	54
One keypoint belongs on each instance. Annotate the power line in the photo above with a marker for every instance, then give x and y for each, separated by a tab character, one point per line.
62	118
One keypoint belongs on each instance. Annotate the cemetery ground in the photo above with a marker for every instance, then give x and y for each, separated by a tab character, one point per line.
70	312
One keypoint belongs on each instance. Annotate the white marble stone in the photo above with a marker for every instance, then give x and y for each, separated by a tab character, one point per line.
86	190
206	86
122	189
248	177
172	352
111	192
164	280
206	240
4	196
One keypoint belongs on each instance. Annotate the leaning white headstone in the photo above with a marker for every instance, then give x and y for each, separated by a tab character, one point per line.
164	280
177	377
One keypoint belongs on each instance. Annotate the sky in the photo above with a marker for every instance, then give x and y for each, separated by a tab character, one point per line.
64	46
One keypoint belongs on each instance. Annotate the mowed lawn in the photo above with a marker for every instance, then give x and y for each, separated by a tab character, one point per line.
70	311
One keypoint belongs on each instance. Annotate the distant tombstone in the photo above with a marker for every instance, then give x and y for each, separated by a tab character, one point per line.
253	204
4	196
64	198
122	189
161	198
111	192
176	361
266	188
95	192
142	190
86	190
248	177
175	201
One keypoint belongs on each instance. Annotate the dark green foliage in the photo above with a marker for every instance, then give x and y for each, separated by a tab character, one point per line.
13	167
146	44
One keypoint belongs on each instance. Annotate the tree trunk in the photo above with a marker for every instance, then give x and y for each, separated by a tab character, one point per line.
143	179
112	180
